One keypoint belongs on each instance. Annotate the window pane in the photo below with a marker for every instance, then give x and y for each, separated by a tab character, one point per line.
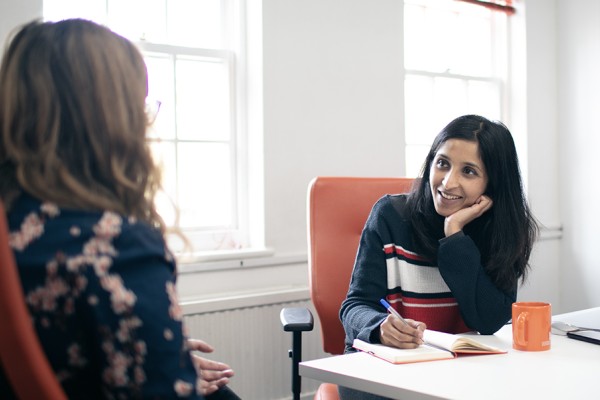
188	46
164	155
419	94
472	45
450	100
484	99
430	103
195	23
55	10
205	187
150	27
161	82
448	37
202	99
415	154
455	59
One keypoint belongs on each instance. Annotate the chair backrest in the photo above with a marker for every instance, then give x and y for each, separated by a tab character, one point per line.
23	359
338	208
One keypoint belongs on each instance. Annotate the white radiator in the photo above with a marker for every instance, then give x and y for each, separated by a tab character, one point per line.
252	341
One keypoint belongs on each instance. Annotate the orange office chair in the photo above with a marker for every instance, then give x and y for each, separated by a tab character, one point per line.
338	208
23	359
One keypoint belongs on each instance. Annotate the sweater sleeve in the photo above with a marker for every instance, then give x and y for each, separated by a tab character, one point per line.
483	306
361	313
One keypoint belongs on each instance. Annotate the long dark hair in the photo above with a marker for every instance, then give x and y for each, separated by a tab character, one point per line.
504	234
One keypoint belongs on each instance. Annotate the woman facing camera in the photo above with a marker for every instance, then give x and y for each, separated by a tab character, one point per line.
447	256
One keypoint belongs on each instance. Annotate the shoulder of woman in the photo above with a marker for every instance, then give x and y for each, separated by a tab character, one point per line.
138	233
394	204
389	209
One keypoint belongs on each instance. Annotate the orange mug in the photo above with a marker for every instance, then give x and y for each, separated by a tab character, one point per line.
531	326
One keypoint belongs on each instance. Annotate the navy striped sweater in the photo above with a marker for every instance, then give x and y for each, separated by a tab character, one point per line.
454	296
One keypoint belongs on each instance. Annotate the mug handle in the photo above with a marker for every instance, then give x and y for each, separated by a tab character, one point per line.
521	335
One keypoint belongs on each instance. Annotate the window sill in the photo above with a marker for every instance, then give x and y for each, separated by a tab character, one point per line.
233	259
242	275
232	301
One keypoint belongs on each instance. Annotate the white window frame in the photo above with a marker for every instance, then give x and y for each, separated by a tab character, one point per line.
247	203
499	77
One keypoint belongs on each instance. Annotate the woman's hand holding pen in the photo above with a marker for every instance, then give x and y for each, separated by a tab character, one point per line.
395	332
398	332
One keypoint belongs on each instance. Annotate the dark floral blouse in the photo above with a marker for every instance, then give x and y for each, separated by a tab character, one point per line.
101	290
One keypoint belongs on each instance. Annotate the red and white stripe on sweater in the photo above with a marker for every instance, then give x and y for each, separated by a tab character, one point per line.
417	291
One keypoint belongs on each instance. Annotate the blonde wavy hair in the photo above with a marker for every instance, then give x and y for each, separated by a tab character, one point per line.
73	121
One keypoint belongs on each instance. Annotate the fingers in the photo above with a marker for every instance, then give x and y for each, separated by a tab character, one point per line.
485	202
207	387
209	365
199	345
394	332
457	221
214	376
481	205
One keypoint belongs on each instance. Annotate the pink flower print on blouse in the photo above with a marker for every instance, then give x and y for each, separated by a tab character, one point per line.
31	229
97	246
126	325
140	350
108	226
52	268
102	264
106	229
182	388
121	298
116	372
75	357
69	306
174	309
76	262
93	300
44	297
75	231
139	375
50	209
168	255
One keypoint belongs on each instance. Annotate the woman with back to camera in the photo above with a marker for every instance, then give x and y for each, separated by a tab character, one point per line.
78	182
448	256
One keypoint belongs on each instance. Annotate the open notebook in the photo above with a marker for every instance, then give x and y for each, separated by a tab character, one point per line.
438	346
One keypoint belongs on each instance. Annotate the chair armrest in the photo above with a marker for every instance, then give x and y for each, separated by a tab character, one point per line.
296	319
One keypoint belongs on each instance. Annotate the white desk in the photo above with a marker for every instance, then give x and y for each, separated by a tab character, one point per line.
569	370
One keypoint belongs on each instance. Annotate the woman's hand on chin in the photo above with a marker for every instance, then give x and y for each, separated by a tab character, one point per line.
456	222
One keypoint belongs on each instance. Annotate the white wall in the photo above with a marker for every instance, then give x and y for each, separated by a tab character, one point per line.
579	143
16	12
534	110
333	102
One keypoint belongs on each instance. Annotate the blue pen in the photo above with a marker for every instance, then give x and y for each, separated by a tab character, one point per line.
391	310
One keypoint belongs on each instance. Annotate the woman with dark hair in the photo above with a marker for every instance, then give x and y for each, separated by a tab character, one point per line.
78	181
449	255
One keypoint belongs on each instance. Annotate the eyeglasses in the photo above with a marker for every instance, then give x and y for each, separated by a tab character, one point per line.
152	109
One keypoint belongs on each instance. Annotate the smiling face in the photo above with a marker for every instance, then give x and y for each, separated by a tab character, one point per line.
457	177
